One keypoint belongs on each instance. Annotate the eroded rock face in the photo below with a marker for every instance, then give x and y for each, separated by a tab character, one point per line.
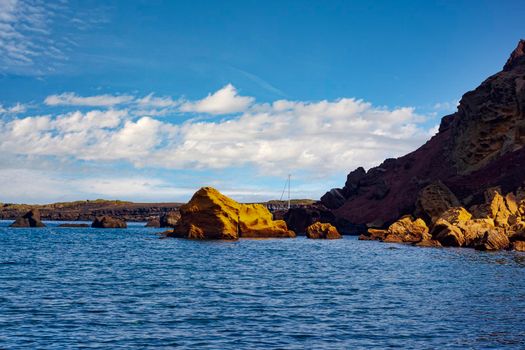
29	219
169	219
211	215
108	222
433	200
493	239
478	147
405	230
320	230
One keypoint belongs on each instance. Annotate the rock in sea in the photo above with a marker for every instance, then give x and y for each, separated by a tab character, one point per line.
320	230
108	222
211	215
29	219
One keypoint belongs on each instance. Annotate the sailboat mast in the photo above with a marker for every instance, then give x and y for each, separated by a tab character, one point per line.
289	184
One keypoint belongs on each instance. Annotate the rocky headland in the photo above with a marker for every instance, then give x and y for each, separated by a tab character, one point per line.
477	148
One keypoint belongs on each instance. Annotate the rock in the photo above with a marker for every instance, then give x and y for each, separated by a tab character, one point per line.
298	219
153	222
456	215
108	222
73	225
353	181
430	243
406	230
322	231
448	234
409	230
29	219
494	239
480	146
518	246
333	199
454	228
495	207
211	215
433	200
374	235
169	219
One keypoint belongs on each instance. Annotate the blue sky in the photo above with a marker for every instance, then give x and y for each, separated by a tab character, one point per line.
149	100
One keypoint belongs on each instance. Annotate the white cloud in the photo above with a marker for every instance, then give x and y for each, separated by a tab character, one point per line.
153	101
38	186
71	99
223	101
316	138
17	108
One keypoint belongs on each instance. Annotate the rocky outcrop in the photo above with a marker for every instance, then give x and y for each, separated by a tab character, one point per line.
320	230
29	219
433	200
298	219
405	230
478	147
211	215
108	222
169	219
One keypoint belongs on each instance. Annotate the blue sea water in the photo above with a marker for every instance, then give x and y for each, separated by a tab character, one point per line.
92	288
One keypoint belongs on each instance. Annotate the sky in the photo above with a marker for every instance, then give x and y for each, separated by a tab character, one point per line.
150	100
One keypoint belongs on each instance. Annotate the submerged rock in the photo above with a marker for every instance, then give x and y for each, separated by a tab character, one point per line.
320	230
108	222
211	215
73	225
29	219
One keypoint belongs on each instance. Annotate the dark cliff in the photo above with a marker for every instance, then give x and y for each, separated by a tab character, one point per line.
478	147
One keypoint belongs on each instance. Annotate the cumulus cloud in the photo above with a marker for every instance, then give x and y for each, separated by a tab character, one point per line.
223	101
316	138
72	99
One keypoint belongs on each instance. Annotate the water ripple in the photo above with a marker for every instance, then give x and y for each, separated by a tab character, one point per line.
71	287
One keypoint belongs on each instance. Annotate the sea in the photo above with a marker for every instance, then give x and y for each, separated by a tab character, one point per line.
69	288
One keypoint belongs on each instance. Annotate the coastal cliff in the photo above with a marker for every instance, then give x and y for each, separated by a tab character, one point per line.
477	148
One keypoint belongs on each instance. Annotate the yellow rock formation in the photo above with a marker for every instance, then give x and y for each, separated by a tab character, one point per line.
211	215
319	230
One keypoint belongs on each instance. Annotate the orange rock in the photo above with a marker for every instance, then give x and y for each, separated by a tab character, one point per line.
374	234
493	240
211	215
322	231
409	230
518	246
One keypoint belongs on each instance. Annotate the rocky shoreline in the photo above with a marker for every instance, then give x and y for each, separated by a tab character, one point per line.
475	161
